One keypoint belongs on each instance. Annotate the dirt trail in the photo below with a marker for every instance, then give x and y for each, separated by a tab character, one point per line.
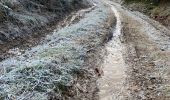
137	64
111	85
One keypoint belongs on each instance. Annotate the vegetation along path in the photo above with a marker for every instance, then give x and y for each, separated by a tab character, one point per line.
101	51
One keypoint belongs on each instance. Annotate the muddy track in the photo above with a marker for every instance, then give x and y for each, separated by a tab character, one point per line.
90	58
145	54
111	84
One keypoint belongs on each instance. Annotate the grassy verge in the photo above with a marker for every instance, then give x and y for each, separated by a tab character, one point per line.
64	66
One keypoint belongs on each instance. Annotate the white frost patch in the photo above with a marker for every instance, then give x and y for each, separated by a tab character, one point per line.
118	24
111	85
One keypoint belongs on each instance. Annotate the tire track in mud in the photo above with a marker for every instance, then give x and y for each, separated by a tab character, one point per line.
138	57
111	84
146	49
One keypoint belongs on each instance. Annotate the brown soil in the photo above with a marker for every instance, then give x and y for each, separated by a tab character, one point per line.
146	55
147	63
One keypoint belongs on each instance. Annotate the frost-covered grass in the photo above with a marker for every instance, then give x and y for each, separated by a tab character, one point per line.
48	70
20	18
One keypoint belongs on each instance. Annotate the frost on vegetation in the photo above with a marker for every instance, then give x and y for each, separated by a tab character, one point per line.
32	20
41	76
28	17
51	67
